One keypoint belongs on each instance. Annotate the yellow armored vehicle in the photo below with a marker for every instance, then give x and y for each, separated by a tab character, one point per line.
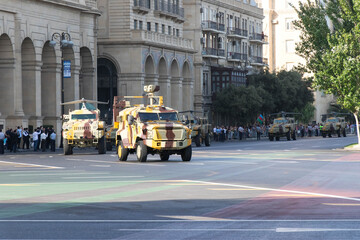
200	127
83	128
150	129
283	126
334	124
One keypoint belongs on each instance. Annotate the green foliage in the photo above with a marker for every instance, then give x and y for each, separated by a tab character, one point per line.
307	113
267	93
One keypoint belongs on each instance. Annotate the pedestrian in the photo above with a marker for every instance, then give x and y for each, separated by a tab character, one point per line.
241	132
8	142
52	141
19	136
36	139
26	139
2	138
258	132
43	137
48	131
13	140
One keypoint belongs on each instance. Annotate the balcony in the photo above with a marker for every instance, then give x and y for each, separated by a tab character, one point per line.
258	38
236	57
162	40
210	26
168	9
213	53
257	61
237	33
141	6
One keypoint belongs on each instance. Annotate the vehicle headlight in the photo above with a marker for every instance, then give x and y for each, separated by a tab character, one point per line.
149	134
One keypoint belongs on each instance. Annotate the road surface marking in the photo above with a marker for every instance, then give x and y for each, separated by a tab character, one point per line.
103	177
342	204
172	220
194	229
278	190
59	174
286	230
100	165
18	185
232	162
234	189
32	165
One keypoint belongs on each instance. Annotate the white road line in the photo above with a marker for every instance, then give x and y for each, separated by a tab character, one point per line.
172	220
277	190
100	165
231	162
59	174
33	165
103	177
195	229
287	230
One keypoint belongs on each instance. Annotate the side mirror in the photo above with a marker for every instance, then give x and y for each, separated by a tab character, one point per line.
130	119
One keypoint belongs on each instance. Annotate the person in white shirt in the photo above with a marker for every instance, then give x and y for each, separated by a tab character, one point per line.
52	141
36	139
43	137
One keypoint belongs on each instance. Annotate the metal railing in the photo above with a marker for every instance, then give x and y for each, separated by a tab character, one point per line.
168	8
213	52
237	56
208	24
142	3
258	37
237	31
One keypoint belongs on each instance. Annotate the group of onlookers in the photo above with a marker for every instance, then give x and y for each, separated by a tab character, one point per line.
14	139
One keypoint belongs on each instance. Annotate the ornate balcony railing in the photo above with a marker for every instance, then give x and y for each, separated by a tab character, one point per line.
237	31
168	8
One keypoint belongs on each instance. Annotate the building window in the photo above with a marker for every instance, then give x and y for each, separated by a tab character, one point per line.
156	27
148	26
205	83
141	25
163	28
289	24
169	30
177	33
290	46
135	24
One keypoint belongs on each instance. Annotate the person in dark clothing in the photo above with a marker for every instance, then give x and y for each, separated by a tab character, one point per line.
8	141
26	139
13	140
2	138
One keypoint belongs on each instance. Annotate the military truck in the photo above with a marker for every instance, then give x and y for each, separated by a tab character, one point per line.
334	125
283	126
200	127
83	128
150	128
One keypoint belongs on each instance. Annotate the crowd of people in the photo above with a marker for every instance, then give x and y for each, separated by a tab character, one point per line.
13	139
227	133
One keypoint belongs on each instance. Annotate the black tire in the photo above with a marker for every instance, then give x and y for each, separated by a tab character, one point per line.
101	146
288	135
207	140
164	156
294	135
186	154
197	140
141	151
108	146
122	152
271	137
344	133
67	147
277	138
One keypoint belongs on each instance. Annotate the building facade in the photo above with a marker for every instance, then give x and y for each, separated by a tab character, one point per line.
141	42
30	67
229	38
278	25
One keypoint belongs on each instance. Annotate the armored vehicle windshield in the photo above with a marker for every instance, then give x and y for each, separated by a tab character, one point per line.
169	116
83	116
280	121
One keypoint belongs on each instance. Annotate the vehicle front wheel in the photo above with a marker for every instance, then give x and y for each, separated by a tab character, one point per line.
186	154
67	147
101	145
197	140
277	138
164	156
122	152
141	151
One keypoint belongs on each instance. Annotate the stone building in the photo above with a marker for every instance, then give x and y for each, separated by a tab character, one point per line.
30	67
278	25
229	38
141	42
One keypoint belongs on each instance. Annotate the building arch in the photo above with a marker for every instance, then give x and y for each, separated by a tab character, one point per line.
176	85
188	87
7	62
107	85
29	71
150	74
162	69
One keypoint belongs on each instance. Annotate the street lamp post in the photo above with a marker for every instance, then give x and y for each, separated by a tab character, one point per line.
64	39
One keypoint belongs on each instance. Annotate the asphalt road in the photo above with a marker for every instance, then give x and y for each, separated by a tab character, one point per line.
304	189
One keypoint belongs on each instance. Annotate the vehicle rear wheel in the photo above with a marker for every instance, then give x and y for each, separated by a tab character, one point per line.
101	145
67	147
186	154
207	139
141	151
108	146
197	140
164	156
122	152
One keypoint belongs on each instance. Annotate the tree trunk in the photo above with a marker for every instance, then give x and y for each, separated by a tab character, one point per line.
357	126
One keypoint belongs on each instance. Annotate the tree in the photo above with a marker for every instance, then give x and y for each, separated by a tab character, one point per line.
333	55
